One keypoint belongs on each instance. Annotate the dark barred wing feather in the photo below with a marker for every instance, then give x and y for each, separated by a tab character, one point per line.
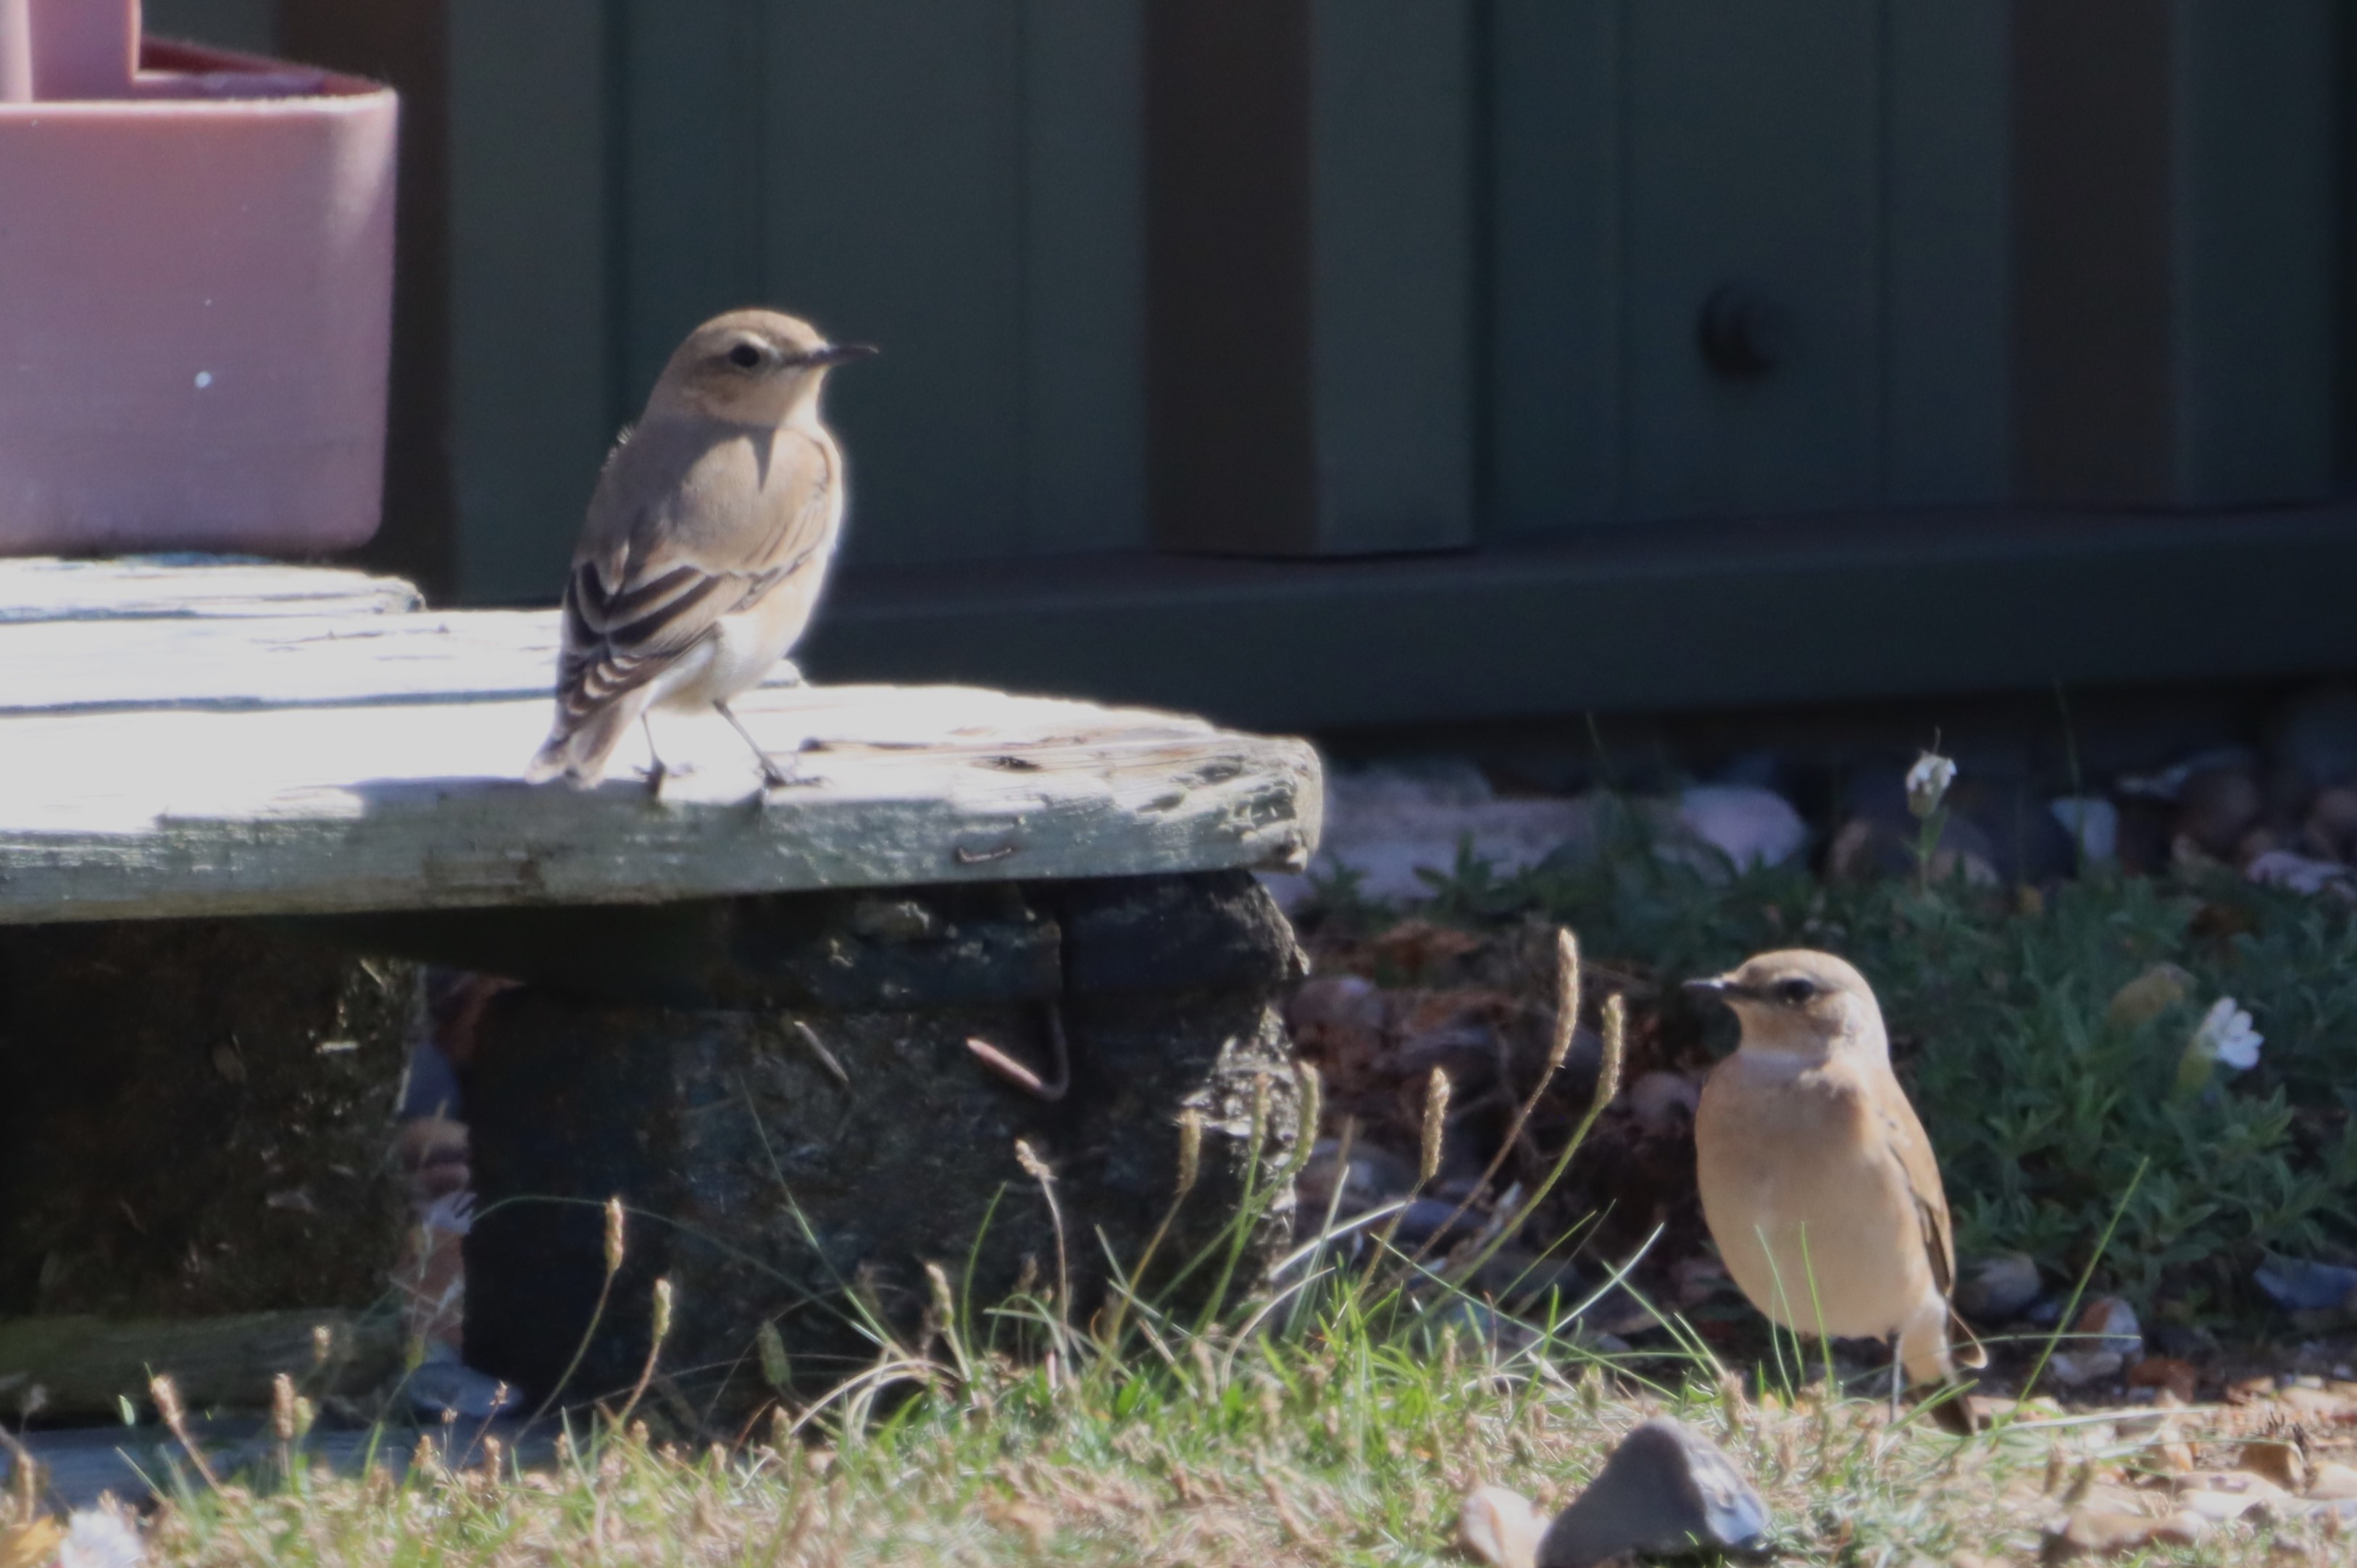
616	640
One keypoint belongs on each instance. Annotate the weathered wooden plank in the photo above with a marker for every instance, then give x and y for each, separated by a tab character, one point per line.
86	1365
68	666
303	811
90	666
144	588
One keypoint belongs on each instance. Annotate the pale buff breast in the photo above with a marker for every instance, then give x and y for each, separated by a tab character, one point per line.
744	648
1799	1190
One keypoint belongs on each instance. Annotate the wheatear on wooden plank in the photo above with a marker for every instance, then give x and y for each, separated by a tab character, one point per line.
706	542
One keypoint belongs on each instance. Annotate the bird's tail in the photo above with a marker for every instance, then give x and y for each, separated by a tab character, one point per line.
1970	1352
579	748
1925	1348
1926	1353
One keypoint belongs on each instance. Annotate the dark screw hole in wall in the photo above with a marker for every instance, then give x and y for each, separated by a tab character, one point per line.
1743	333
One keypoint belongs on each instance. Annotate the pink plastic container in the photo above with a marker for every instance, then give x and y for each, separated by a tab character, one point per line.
196	291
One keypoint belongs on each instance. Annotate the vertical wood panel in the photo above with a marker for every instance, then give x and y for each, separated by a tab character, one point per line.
408	46
2255	200
2091	149
1391	286
1311	354
690	99
530	363
1084	283
1753	159
1556	409
1948	232
2175	250
248	25
893	204
1229	394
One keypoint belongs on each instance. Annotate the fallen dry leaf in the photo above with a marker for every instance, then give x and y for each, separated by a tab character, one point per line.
2170	1373
2317	1404
1498	1528
33	1542
1418	945
2280	1462
2333	1483
2101	1533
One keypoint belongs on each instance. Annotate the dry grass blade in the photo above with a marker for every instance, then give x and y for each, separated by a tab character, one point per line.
656	1335
1436	1127
1037	1170
166	1395
1190	1165
616	1249
1566	1025
1608	1086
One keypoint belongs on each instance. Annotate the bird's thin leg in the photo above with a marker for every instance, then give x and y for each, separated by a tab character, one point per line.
773	776
1897	1363
656	770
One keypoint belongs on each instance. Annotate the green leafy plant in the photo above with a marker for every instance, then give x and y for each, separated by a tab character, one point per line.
2043	1099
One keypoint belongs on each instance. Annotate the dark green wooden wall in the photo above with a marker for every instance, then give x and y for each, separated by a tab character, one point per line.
955	181
1843	161
2068	250
2049	301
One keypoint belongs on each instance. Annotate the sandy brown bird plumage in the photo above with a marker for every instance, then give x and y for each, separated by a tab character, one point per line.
706	542
1817	1179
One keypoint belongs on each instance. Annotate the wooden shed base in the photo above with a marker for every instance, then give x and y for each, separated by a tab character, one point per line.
797	1157
194	1119
748	1014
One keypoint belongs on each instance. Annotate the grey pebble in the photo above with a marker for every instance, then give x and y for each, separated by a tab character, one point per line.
1667	1491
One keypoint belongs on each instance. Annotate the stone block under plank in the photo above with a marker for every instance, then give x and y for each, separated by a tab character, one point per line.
768	1189
194	1119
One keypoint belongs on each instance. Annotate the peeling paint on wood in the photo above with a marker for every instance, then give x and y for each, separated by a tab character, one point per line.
177	587
249	764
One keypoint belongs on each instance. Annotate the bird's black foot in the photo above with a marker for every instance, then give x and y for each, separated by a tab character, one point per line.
654	776
776	778
1952	1410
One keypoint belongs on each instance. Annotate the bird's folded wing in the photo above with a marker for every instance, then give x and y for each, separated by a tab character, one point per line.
1911	1148
619	638
655	576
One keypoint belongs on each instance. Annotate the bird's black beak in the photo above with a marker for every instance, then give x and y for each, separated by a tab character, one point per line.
1718	986
836	353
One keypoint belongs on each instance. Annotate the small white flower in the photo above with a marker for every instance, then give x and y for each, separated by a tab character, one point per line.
101	1537
1927	783
2225	1036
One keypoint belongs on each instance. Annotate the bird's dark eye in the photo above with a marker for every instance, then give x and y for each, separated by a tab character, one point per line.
1792	993
745	357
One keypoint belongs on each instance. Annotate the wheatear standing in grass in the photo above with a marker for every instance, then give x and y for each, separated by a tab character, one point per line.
1817	1181
706	540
